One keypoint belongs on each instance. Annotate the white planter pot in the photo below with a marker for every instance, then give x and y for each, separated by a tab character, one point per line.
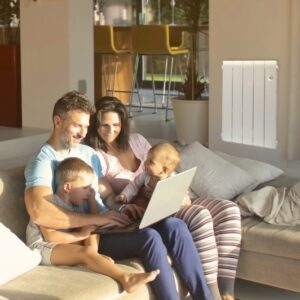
191	120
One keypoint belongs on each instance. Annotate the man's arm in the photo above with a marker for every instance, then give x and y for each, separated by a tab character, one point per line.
93	239
60	237
42	211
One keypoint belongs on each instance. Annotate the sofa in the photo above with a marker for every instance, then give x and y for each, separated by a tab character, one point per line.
269	255
35	282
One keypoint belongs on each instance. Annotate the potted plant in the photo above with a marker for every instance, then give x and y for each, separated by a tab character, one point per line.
10	79
191	115
9	21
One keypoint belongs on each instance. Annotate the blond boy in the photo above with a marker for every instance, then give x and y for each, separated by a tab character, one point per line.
74	192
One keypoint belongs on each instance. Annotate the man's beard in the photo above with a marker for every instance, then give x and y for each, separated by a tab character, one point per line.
66	142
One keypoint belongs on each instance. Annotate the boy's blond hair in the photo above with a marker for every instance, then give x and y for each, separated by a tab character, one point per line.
70	169
167	154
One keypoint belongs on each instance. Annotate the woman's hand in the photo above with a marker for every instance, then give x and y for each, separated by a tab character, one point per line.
133	211
186	200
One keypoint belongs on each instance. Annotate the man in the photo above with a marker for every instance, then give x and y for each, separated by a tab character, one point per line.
71	116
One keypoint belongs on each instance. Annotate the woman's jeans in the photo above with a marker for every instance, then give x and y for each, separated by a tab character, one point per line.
170	236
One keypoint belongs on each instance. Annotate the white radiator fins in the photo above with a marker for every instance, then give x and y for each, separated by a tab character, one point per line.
227	102
249	103
237	104
258	103
270	105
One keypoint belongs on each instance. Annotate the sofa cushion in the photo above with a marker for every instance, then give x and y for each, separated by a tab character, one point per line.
215	177
12	207
76	283
259	170
16	258
282	241
282	180
68	283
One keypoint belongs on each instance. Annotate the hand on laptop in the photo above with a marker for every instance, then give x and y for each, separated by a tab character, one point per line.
133	211
115	218
186	200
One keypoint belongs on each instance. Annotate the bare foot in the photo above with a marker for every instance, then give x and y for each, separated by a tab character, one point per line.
133	281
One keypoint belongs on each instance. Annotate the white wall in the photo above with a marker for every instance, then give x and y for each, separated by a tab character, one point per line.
250	30
294	109
81	45
56	52
57	47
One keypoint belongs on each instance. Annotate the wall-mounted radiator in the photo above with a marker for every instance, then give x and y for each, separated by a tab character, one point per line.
249	103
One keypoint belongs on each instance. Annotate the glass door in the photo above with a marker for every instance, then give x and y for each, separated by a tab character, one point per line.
156	12
164	12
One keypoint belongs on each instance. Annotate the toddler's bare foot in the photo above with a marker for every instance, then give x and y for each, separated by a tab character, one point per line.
133	281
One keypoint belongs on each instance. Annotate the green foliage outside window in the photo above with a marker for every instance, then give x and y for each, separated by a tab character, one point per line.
9	20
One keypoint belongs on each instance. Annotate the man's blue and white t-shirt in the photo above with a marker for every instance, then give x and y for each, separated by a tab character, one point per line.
40	171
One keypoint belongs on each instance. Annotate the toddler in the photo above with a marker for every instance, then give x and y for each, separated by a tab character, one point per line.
162	160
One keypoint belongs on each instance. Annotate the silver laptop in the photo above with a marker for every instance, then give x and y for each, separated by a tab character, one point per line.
166	200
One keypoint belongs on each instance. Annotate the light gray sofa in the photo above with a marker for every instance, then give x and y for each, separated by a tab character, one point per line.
270	255
49	282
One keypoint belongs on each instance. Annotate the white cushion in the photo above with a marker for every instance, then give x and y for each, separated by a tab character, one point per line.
259	170
215	177
15	257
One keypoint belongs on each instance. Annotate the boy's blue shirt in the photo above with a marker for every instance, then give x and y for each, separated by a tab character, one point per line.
40	170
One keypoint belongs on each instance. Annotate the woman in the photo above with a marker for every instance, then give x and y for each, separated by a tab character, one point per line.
215	225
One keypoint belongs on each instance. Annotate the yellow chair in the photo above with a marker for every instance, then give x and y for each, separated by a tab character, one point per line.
154	40
104	44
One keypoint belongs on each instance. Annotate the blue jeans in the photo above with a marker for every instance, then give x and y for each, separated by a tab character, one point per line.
152	245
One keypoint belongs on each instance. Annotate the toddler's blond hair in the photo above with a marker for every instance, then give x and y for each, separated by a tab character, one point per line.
167	154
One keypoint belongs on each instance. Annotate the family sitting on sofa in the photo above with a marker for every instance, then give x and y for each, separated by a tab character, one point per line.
204	256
